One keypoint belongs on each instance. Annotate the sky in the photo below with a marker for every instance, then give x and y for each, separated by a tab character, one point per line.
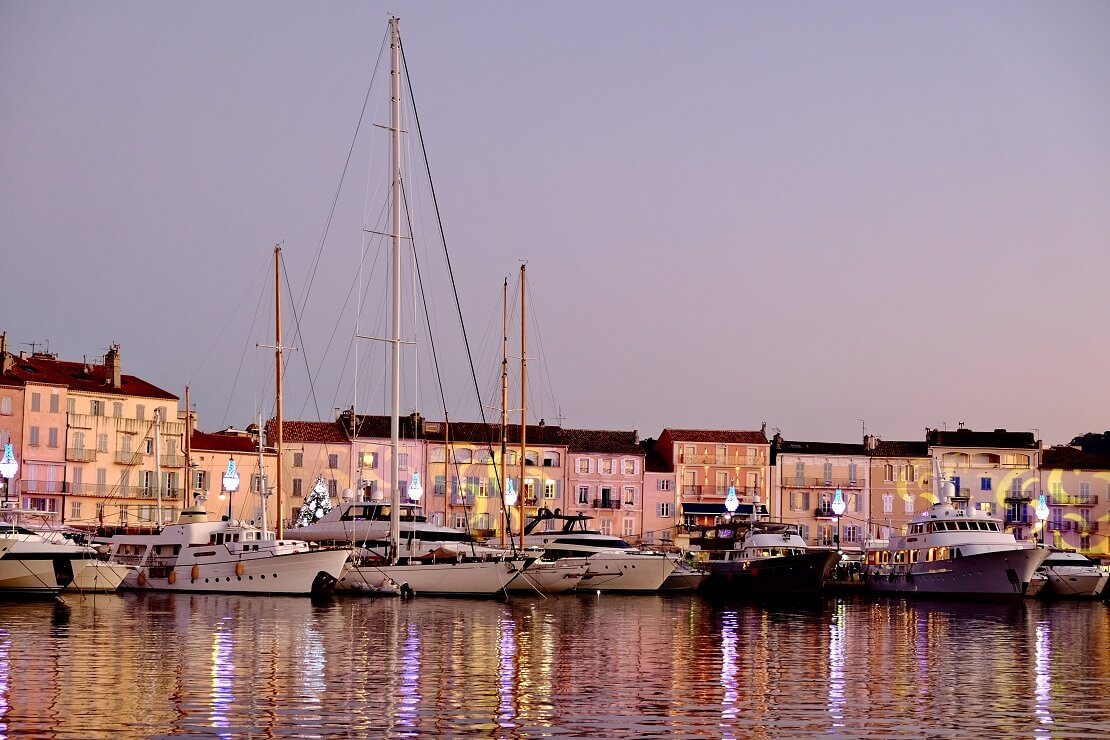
825	217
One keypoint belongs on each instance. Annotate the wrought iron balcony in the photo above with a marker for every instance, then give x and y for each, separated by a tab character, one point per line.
602	503
80	454
1064	499
129	458
820	482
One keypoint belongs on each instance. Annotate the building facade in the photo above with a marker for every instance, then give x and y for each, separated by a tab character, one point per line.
707	463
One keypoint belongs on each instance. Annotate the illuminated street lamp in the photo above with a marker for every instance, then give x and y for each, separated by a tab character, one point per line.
1042	514
9	466
415	491
229	484
838	508
509	498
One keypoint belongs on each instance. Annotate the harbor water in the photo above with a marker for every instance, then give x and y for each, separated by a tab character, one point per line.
677	666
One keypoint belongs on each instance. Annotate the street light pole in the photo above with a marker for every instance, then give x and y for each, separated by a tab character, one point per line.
9	466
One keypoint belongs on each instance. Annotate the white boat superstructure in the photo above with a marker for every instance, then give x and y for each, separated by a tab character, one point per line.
1072	575
197	555
614	565
32	563
952	551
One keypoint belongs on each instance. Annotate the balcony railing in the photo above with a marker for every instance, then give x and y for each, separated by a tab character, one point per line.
80	454
1019	495
1071	525
796	482
714	459
1019	519
825	512
173	461
1064	499
713	492
602	503
129	458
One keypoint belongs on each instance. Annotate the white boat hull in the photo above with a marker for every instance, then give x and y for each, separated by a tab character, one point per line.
445	578
294	573
616	571
994	574
550	577
98	576
31	576
1074	583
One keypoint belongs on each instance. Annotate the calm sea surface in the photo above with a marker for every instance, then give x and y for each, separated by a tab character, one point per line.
150	665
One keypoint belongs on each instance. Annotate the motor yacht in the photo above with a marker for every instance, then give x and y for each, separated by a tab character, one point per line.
1072	575
761	559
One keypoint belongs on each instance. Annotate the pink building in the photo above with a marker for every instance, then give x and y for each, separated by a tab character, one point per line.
605	480
708	462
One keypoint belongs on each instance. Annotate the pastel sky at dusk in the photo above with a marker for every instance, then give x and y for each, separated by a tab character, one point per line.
803	213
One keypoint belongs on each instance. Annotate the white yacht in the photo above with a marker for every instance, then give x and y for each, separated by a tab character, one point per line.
1072	575
37	564
614	565
951	551
198	555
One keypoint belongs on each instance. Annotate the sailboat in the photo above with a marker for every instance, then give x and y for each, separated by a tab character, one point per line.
227	556
411	563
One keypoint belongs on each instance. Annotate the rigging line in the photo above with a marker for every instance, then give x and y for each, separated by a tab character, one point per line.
249	291
242	359
339	186
450	270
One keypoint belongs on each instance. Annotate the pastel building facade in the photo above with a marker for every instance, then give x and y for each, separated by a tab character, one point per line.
707	463
208	463
312	451
661	499
900	484
1078	497
807	477
605	480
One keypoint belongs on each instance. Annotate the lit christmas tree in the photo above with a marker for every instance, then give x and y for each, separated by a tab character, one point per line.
316	504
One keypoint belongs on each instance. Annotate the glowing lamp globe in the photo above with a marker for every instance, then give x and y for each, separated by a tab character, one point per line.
9	466
1042	508
510	493
415	491
838	503
231	478
731	502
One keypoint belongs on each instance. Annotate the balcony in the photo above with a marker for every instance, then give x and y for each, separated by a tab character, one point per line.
797	482
721	460
1071	525
173	461
1023	519
603	503
129	458
716	493
1025	496
1064	499
42	486
824	512
74	454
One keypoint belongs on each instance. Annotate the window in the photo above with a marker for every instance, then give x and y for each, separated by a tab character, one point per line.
125	444
148	446
333	461
1057	488
102	442
630	495
909	504
606	466
888	472
71	405
403	460
483	457
663	484
630	467
6	406
689	454
828	472
199	480
75	477
140	411
722	483
799	473
803	531
439	486
34	439
985	483
583	494
551	459
78	440
851	533
583	465
298	487
462	455
333	487
799	500
606	527
1084	489
370	460
74	509
298	459
52	437
459	521
437	519
549	489
664	509
853	472
36	402
628	527
436	455
484	521
96	408
117	410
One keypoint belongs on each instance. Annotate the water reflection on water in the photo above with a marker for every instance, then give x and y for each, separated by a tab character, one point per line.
148	665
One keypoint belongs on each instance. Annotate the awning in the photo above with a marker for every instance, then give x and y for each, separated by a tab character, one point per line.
718	509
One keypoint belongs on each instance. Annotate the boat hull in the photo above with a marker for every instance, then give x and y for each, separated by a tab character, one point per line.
32	574
684	578
998	574
97	576
1074	583
294	573
484	578
550	577
634	573
787	575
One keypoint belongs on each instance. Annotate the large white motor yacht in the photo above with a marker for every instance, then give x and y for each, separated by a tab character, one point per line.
34	563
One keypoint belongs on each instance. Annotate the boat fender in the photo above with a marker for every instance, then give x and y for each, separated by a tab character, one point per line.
142	578
239	569
172	577
196	571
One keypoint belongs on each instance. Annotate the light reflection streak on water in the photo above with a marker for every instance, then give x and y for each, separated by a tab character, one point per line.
836	666
1043	681
223	698
506	648
5	680
314	662
730	696
410	681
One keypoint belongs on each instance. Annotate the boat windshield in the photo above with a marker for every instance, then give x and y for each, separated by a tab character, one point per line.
594	542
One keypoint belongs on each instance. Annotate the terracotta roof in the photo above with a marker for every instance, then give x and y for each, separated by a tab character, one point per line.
900	449
78	376
598	440
222	443
968	438
325	432
1069	458
734	436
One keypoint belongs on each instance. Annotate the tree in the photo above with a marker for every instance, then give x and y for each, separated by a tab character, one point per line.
316	503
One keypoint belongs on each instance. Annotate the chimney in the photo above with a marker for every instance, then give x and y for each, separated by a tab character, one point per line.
869	442
111	366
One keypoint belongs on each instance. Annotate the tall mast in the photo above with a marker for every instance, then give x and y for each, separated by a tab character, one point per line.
508	519
277	393
395	337
523	397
